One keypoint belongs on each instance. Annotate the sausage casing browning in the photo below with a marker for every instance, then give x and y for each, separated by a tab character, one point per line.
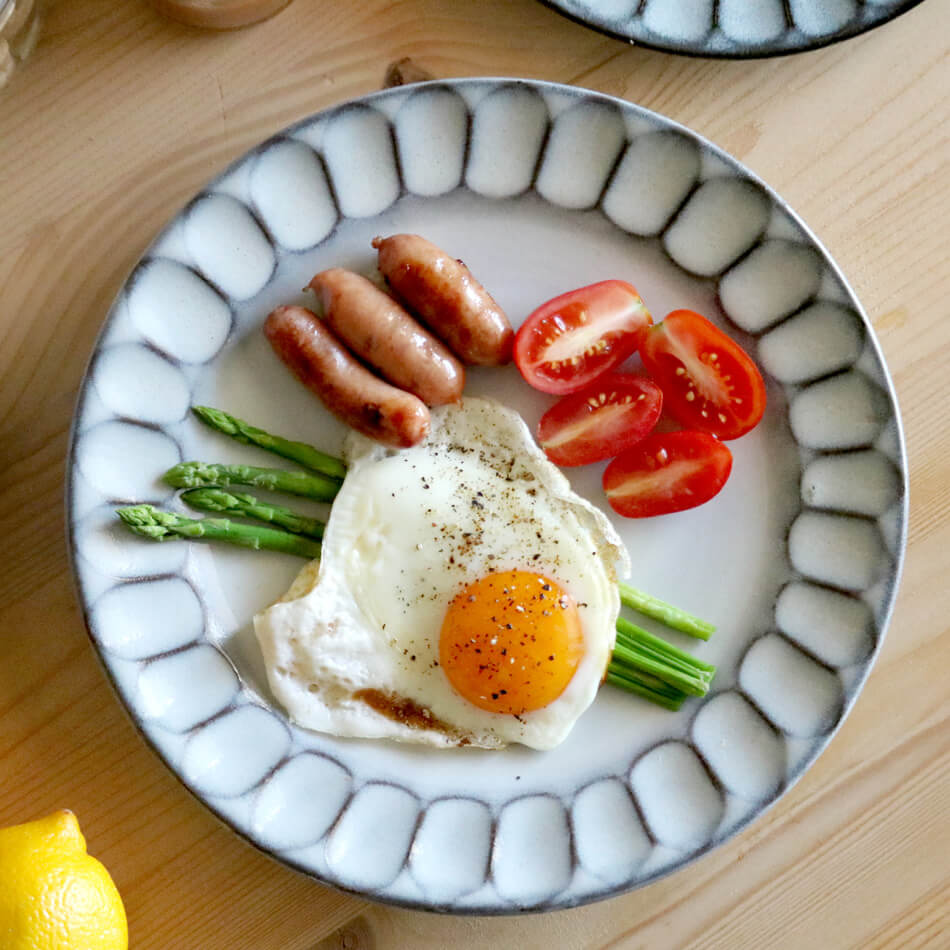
376	328
349	390
445	295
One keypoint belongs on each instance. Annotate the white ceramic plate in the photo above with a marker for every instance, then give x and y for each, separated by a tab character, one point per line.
732	29
539	188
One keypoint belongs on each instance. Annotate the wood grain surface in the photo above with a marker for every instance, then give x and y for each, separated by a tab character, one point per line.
121	115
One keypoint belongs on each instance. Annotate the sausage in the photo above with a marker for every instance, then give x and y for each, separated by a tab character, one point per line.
349	390
447	298
378	330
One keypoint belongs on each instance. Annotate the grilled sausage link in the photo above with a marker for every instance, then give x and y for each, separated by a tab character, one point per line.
349	390
448	299
376	328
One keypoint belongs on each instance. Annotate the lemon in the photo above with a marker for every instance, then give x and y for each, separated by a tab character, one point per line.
54	896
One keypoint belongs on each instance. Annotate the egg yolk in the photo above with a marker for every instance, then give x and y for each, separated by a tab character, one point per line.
511	641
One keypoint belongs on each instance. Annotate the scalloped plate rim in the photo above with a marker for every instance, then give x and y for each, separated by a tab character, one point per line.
739	51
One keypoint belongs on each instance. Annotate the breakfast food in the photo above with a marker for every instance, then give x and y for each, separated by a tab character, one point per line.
612	414
706	381
349	390
709	382
150	522
442	292
379	331
313	485
463	534
461	593
667	472
567	342
641	663
302	453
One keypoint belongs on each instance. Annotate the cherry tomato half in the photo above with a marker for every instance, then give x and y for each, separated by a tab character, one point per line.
666	472
613	413
570	340
709	382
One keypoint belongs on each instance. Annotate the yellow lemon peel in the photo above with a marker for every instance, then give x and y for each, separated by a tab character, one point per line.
53	895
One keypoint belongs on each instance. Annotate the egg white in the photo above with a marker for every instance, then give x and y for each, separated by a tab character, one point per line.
408	529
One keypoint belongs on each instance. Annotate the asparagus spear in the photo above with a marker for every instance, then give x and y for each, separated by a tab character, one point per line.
300	452
241	505
213	475
640	639
149	522
667	614
625	658
650	667
645	685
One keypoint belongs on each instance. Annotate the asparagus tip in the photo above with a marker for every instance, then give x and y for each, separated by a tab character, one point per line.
144	520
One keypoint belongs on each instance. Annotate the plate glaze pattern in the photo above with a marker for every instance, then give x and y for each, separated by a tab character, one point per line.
733	29
382	829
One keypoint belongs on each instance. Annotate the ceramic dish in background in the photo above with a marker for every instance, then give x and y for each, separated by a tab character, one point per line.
19	31
732	29
539	188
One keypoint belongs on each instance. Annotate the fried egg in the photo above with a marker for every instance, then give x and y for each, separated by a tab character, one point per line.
465	595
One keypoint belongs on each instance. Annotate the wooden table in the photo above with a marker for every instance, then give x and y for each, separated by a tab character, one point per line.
120	116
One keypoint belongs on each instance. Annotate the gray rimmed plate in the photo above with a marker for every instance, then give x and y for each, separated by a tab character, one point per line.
539	188
732	29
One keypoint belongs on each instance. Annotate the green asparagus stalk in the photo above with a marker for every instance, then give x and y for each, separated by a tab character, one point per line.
638	638
213	475
645	685
149	522
667	614
241	505
650	667
300	452
632	659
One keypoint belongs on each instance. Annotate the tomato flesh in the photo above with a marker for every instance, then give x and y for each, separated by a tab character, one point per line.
667	472
571	340
709	382
613	413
